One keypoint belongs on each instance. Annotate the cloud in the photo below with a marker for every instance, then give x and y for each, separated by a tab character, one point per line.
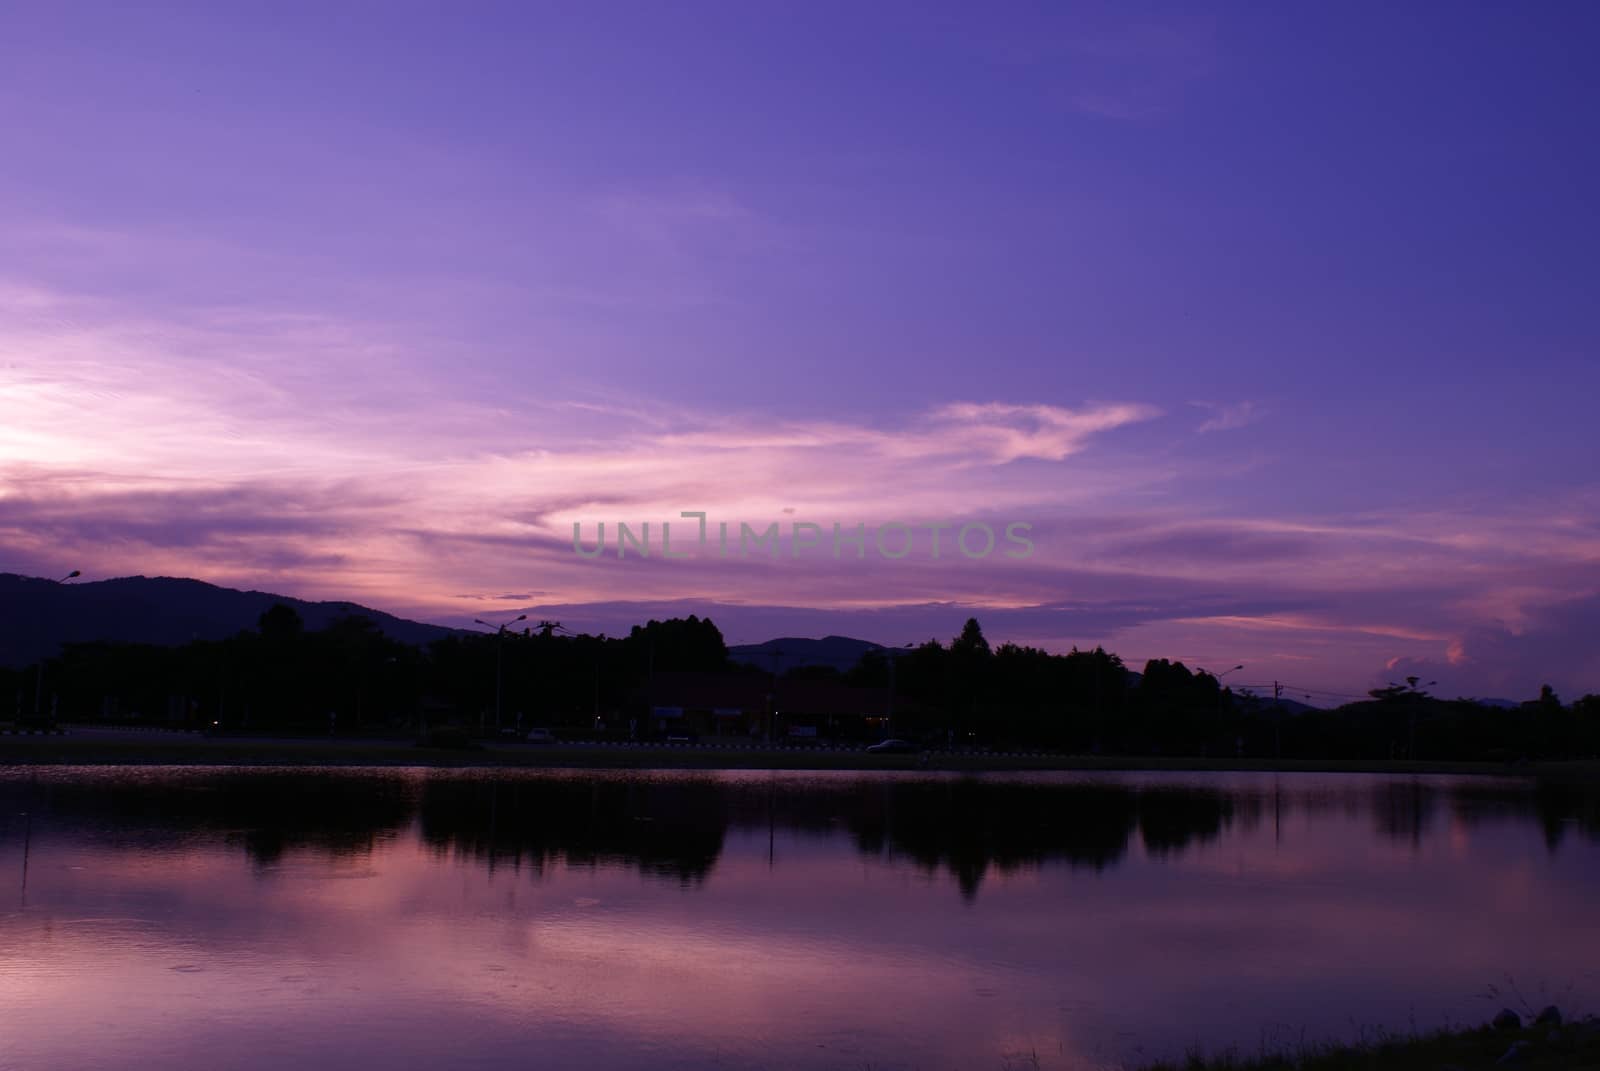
1227	417
1052	624
1217	544
320	457
1007	433
230	440
1555	646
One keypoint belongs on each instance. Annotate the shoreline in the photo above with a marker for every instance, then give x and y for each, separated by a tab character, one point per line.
91	747
1544	1040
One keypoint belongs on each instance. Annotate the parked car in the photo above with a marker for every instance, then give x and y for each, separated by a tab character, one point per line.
539	736
892	747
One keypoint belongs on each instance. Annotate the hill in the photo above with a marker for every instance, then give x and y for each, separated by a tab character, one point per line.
40	615
791	652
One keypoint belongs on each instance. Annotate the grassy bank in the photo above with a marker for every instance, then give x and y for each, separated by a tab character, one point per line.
92	747
1572	1047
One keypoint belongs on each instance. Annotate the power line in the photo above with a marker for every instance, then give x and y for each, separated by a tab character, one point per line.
1289	686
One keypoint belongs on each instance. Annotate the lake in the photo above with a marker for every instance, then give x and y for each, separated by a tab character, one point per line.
271	918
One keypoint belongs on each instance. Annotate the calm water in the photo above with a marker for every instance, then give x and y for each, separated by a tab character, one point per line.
183	918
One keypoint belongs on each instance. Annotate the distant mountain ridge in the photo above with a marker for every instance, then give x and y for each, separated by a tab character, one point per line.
792	652
37	616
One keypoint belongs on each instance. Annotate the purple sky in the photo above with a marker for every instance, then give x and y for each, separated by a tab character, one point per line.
1278	326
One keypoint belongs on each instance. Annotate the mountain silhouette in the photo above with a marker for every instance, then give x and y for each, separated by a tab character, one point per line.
840	652
40	615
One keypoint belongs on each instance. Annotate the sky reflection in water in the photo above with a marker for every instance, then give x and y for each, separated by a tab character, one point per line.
262	919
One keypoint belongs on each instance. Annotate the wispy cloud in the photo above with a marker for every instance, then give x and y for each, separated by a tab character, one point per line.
1227	416
313	454
1006	433
137	441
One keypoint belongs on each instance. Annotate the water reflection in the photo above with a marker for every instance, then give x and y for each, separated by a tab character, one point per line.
264	813
673	825
671	828
270	918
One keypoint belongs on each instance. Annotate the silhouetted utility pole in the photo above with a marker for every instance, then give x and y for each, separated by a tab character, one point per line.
38	685
499	661
1277	721
546	630
893	655
1219	677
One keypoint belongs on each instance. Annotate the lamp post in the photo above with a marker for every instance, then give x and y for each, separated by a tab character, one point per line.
1219	677
892	654
499	660
38	687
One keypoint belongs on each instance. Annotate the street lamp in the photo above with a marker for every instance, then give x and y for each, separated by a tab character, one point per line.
1218	677
38	687
892	654
499	661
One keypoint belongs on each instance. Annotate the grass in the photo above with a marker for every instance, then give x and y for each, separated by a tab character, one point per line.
86	747
1571	1047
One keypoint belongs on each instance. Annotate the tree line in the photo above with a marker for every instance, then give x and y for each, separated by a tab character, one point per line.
349	677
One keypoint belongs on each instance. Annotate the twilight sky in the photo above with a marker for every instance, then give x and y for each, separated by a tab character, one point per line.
1277	325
